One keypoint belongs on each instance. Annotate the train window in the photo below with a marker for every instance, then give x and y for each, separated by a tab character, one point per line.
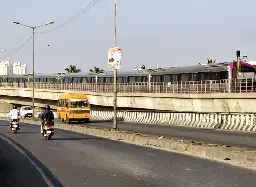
167	78
79	79
112	79
224	75
139	79
75	80
65	80
132	79
92	79
144	79
175	78
108	80
184	77
61	80
247	69
51	80
153	78
206	76
125	79
193	77
119	79
84	80
203	76
215	76
156	78
100	79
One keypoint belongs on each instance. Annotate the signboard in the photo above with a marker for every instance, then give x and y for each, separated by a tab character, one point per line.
114	58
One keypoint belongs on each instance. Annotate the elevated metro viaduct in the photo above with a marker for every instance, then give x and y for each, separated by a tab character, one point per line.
171	102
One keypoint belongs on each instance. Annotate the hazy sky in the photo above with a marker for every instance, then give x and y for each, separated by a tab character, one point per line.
163	32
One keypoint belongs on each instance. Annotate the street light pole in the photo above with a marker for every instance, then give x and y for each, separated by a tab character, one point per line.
33	73
115	72
33	59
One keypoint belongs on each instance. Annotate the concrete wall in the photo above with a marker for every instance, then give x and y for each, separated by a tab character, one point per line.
199	103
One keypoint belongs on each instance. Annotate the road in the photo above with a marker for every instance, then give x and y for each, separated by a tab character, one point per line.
240	139
72	159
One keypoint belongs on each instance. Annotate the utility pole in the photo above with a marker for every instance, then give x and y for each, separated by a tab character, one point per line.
115	72
33	73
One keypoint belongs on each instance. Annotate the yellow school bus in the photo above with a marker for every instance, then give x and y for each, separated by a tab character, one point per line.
73	107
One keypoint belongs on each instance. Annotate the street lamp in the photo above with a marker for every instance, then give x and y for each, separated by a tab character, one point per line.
33	57
3	50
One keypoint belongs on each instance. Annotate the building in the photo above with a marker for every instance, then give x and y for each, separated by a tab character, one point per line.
16	69
19	69
5	68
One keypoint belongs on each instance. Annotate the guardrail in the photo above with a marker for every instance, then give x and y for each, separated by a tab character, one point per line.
223	86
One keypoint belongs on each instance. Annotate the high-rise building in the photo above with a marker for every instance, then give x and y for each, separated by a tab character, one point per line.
19	69
16	69
5	68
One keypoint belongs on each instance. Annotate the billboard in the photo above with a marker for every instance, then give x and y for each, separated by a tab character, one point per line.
114	58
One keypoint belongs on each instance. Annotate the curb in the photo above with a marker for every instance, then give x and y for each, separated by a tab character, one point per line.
244	157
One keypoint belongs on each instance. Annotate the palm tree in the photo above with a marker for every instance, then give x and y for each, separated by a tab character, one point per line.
72	69
210	61
96	70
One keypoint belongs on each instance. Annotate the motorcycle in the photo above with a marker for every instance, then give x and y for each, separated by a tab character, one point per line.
15	125
48	130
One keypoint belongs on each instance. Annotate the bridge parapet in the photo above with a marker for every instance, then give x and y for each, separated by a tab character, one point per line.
207	103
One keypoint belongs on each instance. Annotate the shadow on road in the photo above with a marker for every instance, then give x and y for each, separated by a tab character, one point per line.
22	132
50	176
76	138
84	123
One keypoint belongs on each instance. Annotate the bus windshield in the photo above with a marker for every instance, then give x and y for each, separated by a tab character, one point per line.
78	104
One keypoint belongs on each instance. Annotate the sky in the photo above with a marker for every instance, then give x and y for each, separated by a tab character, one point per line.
153	33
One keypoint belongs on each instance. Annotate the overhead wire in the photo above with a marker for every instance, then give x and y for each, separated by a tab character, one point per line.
16	50
89	6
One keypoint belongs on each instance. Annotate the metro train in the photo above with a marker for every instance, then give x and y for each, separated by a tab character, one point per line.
207	72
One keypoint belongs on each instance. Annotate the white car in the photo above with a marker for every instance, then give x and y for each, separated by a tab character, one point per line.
26	111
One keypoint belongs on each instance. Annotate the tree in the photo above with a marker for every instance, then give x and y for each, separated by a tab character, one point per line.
72	69
96	70
210	61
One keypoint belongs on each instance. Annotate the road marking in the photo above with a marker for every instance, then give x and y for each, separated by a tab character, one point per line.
47	181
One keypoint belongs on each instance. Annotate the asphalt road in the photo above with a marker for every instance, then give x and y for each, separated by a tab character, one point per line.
234	138
72	159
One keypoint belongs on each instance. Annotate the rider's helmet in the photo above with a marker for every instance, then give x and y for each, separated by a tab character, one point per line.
14	107
47	107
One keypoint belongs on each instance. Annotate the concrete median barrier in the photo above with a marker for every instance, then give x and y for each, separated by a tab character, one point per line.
239	122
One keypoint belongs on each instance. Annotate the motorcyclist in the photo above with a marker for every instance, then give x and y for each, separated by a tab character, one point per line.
14	115
46	116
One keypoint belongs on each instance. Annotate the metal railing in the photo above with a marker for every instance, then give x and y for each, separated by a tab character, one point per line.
190	87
